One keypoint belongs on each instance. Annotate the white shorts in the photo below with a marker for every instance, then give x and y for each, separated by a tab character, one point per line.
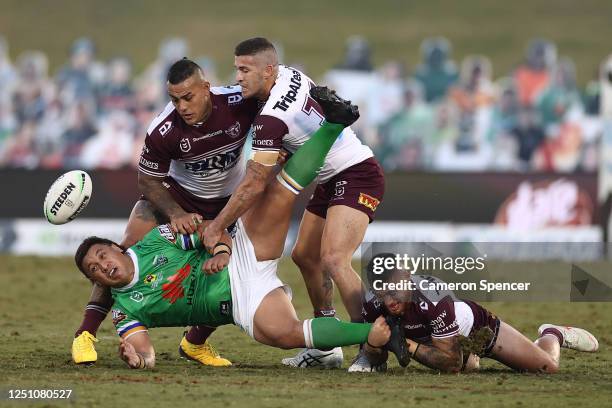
464	317
250	280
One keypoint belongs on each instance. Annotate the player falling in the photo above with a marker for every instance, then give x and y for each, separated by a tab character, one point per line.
159	282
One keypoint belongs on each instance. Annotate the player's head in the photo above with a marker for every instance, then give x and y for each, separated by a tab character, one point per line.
382	272
256	64
104	261
189	91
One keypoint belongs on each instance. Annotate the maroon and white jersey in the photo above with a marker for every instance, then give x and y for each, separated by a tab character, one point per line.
205	159
430	314
290	116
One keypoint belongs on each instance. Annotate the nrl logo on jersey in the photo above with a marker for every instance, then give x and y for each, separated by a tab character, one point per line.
234	130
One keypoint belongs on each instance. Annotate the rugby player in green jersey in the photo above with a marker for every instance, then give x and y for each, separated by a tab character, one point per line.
169	279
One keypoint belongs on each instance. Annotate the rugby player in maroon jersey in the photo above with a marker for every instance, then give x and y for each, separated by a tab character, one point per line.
350	186
190	164
439	328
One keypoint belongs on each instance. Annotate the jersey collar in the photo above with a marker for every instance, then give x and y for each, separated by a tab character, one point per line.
134	258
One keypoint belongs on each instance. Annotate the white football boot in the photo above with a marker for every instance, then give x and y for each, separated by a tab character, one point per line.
361	364
574	338
308	358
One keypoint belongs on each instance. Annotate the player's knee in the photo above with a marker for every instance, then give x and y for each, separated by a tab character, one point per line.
333	264
301	258
550	367
290	338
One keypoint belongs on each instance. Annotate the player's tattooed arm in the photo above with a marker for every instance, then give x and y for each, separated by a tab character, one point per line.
443	354
154	191
252	186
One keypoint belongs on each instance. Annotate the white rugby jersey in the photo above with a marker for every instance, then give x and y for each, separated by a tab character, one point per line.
204	159
290	116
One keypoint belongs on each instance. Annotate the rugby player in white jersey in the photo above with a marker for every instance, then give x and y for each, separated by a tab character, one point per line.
190	164
351	185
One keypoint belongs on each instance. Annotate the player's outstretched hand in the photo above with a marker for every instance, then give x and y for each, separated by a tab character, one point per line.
186	223
127	352
212	235
379	333
216	264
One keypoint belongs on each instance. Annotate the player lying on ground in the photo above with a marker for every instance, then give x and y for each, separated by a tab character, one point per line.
159	282
185	174
450	335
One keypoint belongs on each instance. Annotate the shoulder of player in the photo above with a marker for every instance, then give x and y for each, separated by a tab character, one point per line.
164	123
231	97
290	90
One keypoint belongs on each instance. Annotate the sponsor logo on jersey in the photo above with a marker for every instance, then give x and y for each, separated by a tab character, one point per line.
234	99
208	135
185	145
136	296
216	164
368	201
166	232
149	164
63	198
159	260
290	96
118	316
149	279
414	326
234	130
165	128
224	308
265	142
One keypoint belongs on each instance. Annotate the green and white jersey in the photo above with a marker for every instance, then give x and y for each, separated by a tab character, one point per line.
169	289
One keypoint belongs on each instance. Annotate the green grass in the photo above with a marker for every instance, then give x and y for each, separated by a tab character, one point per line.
313	32
41	303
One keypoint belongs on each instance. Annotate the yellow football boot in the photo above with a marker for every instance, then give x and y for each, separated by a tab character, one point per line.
202	353
83	350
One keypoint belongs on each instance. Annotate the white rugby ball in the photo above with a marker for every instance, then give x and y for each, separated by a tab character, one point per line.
67	197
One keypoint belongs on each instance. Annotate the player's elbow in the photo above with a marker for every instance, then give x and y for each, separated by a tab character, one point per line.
452	364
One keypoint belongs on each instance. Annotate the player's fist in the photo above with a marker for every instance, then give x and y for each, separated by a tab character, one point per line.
186	223
212	235
127	352
379	333
216	263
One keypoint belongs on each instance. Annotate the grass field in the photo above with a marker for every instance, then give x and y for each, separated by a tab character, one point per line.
41	303
313	32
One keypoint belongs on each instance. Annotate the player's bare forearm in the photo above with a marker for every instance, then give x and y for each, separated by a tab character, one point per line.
137	351
252	186
153	189
444	355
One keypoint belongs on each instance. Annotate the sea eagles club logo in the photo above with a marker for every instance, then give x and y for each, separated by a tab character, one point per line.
234	130
185	145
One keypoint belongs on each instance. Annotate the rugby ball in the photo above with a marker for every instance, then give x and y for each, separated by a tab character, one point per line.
67	197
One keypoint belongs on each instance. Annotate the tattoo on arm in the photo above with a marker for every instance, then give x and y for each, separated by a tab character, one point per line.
158	195
444	355
255	181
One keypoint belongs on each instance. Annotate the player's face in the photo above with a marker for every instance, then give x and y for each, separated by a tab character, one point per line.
251	76
191	98
394	303
108	265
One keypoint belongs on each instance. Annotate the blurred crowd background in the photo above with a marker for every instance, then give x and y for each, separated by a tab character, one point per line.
437	115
